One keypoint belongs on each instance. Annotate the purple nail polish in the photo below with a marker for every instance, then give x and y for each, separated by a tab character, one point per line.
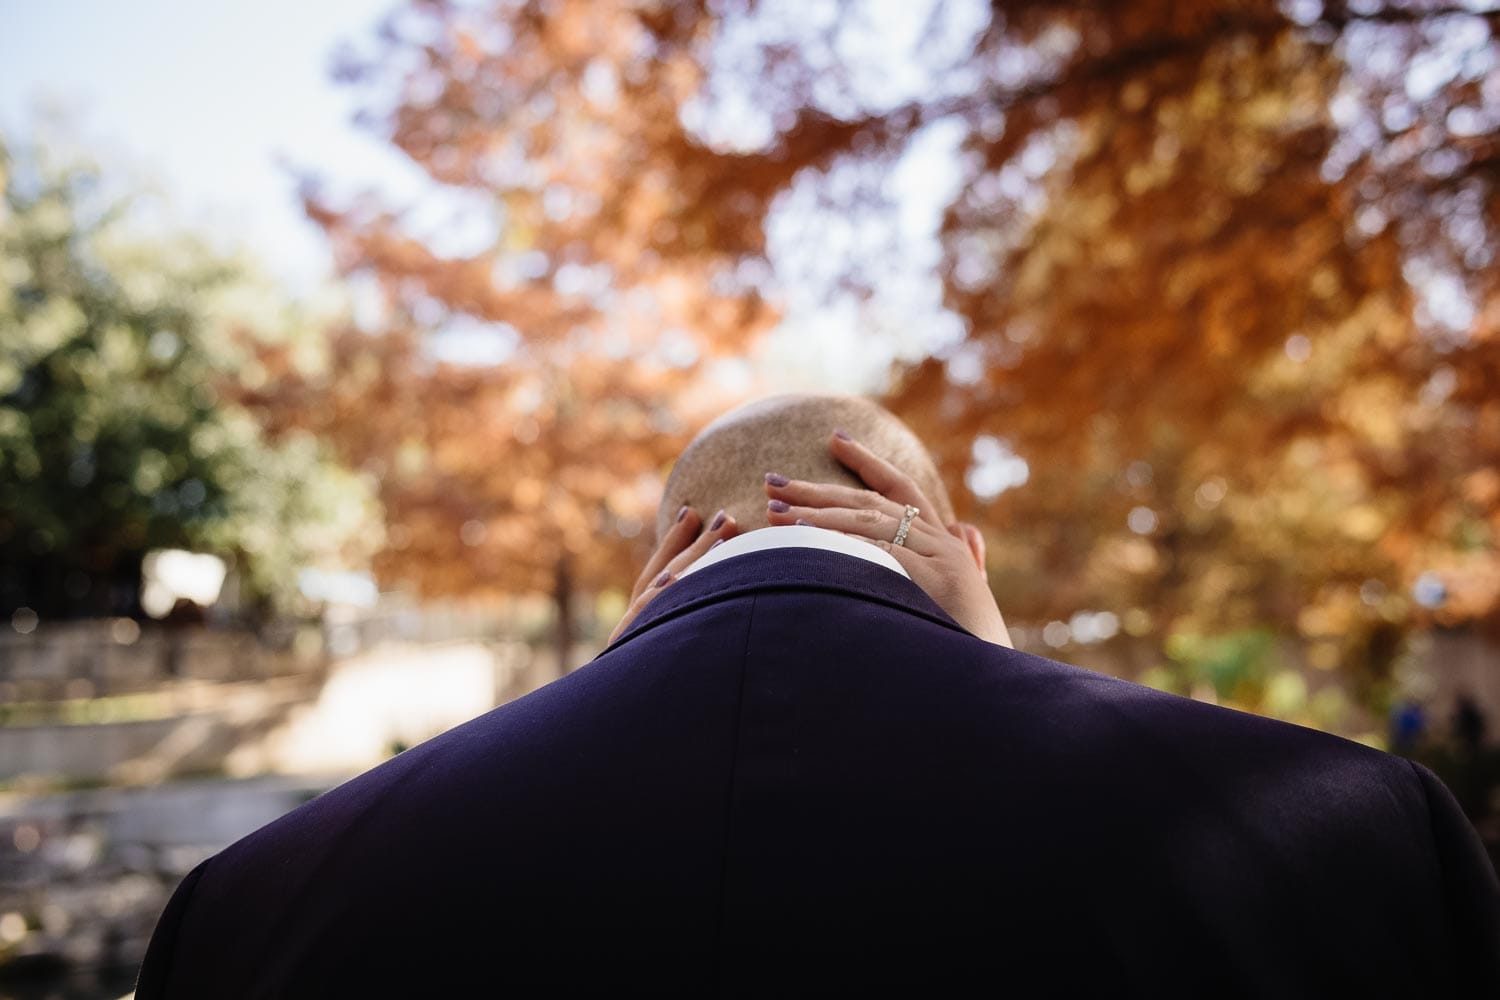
718	520
779	506
776	479
804	522
661	580
841	433
717	544
682	513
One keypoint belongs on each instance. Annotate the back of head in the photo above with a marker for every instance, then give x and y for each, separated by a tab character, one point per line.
725	465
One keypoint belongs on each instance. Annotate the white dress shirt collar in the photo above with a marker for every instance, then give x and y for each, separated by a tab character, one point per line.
796	536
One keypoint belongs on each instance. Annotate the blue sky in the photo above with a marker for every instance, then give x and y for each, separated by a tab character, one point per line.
209	99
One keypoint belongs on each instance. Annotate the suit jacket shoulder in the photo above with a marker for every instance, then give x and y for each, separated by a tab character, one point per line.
795	765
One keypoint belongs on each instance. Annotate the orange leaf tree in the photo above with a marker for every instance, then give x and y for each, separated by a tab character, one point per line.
605	280
1224	271
1241	330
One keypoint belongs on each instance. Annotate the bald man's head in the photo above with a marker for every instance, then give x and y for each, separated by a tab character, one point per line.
725	465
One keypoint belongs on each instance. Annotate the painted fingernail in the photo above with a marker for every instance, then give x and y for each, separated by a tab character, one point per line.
776	479
682	513
718	520
661	580
779	506
717	544
841	433
806	522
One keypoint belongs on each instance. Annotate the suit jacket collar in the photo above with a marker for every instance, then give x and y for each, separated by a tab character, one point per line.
787	569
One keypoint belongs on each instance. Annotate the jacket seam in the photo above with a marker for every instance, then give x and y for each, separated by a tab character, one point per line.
189	884
734	764
1434	849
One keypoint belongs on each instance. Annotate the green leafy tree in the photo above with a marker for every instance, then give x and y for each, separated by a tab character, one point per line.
116	437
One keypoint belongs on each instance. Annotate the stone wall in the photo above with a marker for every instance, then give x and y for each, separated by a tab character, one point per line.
115	656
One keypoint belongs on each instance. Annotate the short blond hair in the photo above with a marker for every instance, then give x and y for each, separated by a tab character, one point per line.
725	464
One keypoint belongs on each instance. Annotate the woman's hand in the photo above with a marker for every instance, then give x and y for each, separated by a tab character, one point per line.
681	545
947	563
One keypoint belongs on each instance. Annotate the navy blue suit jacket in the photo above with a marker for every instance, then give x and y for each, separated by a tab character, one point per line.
795	773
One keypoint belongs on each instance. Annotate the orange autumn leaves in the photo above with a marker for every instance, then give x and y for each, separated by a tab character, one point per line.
1213	266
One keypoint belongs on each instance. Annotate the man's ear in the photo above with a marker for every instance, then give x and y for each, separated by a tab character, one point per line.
972	537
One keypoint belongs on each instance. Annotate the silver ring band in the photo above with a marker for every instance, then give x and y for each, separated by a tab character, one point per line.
900	538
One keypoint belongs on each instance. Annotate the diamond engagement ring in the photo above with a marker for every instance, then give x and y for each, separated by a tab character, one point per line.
900	538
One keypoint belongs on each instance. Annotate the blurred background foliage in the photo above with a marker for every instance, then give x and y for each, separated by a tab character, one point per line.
1214	356
1217	357
119	354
